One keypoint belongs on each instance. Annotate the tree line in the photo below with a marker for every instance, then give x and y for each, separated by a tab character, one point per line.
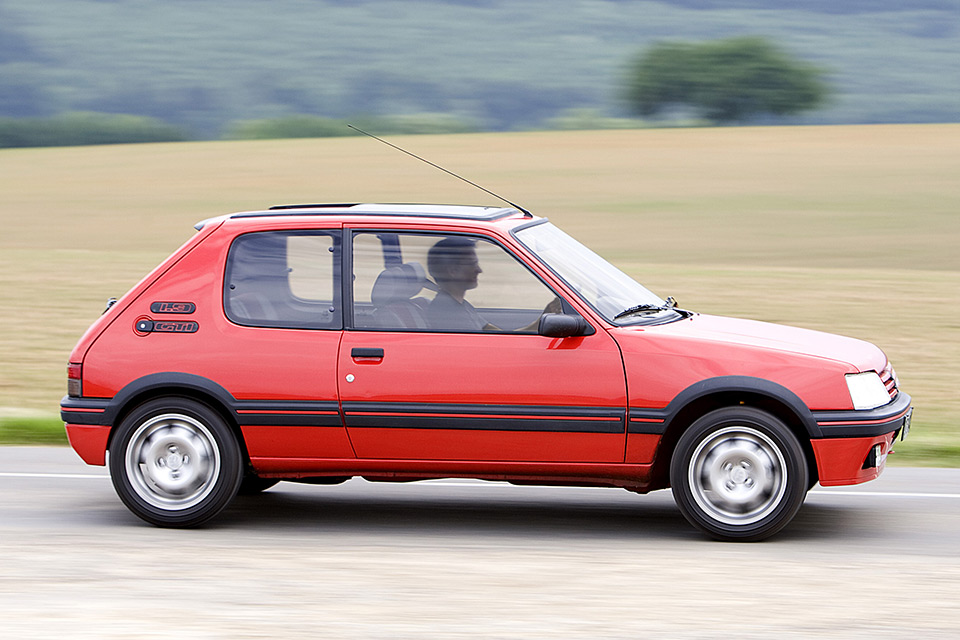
726	81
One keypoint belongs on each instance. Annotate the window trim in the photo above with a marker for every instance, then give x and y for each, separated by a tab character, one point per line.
336	288
347	295
611	323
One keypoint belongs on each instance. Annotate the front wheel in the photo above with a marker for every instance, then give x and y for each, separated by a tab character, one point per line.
175	463
739	474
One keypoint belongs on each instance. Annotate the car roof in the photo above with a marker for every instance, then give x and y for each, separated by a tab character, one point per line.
455	212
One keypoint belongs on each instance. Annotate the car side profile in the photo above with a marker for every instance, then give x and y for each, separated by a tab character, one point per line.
316	343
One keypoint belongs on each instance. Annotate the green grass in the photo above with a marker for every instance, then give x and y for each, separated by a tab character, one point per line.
851	230
31	430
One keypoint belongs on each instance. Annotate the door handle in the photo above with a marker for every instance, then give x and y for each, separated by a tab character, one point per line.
367	352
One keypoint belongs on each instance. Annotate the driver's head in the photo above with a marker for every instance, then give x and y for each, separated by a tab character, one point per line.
452	263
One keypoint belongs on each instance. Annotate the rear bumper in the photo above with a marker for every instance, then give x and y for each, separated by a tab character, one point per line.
85	431
848	452
89	441
84	411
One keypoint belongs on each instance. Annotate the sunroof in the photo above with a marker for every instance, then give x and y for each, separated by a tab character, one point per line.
417	210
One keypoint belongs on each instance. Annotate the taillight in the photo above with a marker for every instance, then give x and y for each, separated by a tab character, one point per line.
74	376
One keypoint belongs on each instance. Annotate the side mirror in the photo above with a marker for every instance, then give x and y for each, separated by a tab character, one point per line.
558	325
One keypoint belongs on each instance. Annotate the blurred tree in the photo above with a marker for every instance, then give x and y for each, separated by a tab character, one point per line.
730	80
70	129
307	126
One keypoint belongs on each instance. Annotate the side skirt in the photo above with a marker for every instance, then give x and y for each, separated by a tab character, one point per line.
635	477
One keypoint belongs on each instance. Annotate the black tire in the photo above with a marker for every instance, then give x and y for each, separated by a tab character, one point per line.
739	474
175	463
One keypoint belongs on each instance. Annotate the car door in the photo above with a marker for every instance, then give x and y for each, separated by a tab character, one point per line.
436	368
281	297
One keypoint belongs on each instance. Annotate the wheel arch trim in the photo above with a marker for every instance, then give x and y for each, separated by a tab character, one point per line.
659	421
158	384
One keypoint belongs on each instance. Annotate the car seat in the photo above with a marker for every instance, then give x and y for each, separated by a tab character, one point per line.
393	297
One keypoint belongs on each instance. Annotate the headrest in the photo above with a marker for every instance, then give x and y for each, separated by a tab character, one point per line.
399	283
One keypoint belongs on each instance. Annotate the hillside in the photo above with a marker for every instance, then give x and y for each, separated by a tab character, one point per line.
502	64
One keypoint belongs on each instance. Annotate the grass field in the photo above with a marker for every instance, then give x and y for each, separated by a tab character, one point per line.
853	230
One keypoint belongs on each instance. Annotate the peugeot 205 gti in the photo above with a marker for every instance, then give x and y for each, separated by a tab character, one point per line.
316	343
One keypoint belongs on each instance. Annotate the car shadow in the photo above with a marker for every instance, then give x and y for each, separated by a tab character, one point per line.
558	514
457	513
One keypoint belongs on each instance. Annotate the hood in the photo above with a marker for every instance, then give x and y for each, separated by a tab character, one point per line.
861	355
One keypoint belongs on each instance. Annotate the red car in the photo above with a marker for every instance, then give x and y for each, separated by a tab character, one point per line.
403	342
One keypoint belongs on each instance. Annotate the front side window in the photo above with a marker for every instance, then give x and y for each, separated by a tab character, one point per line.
450	283
286	279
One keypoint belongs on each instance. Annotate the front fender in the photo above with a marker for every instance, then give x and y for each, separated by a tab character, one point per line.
658	421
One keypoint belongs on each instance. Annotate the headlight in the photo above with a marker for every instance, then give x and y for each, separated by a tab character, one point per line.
867	390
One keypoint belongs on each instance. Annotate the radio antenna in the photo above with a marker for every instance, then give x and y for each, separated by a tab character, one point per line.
433	164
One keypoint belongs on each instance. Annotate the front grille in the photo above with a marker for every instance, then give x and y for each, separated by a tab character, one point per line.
889	378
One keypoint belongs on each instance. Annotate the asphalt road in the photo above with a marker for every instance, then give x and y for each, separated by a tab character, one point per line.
458	559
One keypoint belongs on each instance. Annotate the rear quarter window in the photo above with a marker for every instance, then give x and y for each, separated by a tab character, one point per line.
284	279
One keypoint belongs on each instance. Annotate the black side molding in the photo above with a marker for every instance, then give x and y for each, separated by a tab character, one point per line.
865	423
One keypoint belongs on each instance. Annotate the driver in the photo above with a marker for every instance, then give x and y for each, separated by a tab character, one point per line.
454	266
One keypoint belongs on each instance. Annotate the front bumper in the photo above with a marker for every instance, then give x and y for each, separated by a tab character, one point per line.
855	444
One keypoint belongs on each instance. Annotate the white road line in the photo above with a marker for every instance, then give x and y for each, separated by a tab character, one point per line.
71	476
895	494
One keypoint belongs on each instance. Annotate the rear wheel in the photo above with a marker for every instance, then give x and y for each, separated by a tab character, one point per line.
175	463
739	474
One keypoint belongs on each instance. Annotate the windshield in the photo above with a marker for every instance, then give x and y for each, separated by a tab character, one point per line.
604	287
